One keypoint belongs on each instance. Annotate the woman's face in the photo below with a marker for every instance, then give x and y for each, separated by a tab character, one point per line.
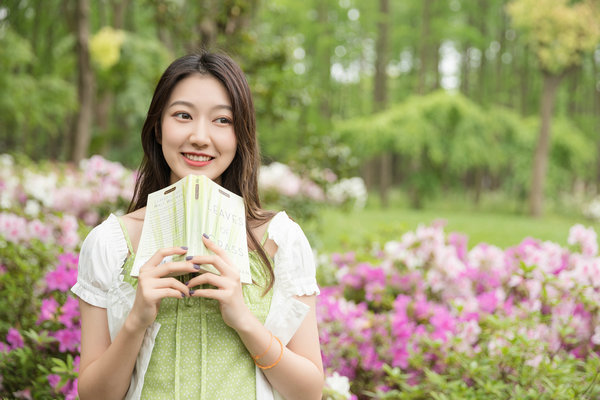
197	129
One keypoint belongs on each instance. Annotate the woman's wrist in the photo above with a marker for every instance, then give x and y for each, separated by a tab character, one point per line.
133	326
247	324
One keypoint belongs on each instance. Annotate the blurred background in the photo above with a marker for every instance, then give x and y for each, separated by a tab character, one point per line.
442	108
441	156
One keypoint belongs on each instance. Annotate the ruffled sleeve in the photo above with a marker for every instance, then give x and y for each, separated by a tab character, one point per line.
102	255
294	260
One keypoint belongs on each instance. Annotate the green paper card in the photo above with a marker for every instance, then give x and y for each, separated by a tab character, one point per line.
179	214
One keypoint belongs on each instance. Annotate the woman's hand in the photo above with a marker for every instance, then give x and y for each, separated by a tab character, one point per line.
228	289
155	282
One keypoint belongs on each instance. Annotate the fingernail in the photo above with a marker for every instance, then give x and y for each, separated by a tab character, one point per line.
205	235
191	292
186	282
182	294
197	267
188	258
184	247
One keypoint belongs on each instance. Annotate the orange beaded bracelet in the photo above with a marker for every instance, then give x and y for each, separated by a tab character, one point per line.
266	351
276	362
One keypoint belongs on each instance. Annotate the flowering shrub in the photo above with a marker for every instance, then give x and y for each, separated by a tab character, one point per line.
302	195
422	317
39	356
88	192
429	319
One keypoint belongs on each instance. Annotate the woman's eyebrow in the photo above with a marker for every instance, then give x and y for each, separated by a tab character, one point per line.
223	106
191	105
183	103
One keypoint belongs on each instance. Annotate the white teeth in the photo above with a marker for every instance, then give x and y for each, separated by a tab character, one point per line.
194	157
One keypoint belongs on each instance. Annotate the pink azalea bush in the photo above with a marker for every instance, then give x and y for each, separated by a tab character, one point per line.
422	317
301	195
41	359
427	316
87	191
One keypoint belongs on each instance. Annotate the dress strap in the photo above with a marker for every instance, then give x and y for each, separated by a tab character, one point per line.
265	236
126	235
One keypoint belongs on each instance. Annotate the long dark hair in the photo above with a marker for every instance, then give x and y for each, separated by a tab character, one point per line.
241	177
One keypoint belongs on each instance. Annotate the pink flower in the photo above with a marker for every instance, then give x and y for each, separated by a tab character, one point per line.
68	339
70	312
4	348
14	339
37	230
47	310
61	279
459	242
69	237
13	227
53	380
487	302
65	274
23	394
586	239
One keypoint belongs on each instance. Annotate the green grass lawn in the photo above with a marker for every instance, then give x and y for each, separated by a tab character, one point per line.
336	230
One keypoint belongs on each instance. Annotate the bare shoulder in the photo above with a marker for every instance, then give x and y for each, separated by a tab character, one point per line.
134	221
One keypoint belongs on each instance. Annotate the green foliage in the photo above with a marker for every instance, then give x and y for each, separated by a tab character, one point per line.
30	104
442	138
25	266
560	31
482	375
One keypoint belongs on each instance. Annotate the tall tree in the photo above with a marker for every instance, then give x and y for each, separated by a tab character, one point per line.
380	94
559	33
85	85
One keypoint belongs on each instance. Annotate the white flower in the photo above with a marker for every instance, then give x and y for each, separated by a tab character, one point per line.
32	208
339	384
349	189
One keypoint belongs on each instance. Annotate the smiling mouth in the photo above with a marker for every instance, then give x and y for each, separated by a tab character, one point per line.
197	158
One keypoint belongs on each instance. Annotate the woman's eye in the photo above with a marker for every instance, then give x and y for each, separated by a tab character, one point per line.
182	115
223	120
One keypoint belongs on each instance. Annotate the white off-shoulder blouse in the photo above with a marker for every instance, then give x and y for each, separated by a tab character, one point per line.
100	283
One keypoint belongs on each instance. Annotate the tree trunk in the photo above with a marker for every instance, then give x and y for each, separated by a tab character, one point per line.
324	48
525	80
83	125
119	8
483	67
380	94
423	46
540	160
596	116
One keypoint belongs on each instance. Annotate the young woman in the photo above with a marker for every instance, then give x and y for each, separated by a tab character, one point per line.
154	337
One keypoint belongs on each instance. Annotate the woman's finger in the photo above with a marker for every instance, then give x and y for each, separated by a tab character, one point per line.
212	246
215	294
172	283
158	257
168	292
175	268
214	260
208	278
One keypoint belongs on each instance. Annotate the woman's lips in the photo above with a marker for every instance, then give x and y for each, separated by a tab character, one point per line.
197	160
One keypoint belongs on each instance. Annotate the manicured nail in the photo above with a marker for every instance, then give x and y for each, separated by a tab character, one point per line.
188	258
182	294
206	236
186	282
191	292
184	247
197	267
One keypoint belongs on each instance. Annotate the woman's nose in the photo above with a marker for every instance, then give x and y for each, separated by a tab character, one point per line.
200	133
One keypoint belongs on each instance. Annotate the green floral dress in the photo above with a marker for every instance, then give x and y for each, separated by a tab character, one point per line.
196	355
